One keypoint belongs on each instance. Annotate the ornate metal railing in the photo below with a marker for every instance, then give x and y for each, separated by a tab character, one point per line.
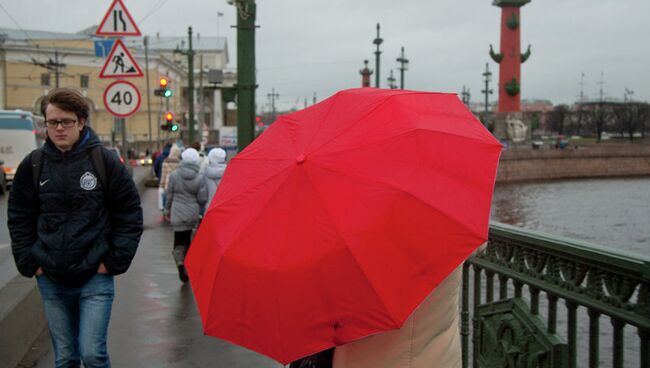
595	283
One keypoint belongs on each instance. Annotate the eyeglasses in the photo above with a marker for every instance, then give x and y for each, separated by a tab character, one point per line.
66	123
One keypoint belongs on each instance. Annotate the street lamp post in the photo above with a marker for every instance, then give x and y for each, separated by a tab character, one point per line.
246	11
190	83
404	65
487	91
391	80
377	41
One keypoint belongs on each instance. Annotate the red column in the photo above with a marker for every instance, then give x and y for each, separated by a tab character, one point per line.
510	65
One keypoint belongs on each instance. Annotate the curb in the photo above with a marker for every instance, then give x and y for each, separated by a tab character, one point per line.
22	319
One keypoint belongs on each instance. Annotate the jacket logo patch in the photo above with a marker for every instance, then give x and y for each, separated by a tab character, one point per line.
88	181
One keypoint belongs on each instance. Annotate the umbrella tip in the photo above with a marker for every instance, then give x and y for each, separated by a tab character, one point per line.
301	159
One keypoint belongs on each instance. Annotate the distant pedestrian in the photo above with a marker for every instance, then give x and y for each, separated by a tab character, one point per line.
75	221
168	166
214	171
157	164
186	196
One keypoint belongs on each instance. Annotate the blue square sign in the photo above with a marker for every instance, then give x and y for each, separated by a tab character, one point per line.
103	47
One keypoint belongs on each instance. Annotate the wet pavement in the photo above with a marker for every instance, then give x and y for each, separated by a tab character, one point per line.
155	322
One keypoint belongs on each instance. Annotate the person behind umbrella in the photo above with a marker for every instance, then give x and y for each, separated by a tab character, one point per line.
187	194
214	170
170	163
429	338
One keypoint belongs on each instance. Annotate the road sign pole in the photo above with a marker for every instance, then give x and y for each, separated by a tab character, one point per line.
124	150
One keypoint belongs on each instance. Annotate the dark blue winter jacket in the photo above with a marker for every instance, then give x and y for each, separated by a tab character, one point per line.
69	223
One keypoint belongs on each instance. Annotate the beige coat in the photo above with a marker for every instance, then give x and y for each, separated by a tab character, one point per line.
429	338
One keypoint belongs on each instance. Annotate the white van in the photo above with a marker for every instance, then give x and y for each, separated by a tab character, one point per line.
20	133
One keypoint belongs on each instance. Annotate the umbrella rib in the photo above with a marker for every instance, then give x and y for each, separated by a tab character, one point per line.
329	111
373	110
325	167
347	247
351	125
257	185
371	144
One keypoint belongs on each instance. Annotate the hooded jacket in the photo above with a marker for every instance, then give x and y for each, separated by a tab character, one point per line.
186	195
70	223
213	174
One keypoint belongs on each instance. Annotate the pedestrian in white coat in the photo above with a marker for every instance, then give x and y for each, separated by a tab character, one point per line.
186	197
214	171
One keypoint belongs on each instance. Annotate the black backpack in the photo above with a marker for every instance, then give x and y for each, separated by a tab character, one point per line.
96	158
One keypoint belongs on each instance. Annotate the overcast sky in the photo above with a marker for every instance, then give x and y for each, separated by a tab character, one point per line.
318	46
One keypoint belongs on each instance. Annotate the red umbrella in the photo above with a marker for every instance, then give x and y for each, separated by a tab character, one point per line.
340	219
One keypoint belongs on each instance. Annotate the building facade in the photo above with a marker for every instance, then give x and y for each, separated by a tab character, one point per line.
34	62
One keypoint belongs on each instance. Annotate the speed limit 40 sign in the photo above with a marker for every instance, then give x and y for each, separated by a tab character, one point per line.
122	98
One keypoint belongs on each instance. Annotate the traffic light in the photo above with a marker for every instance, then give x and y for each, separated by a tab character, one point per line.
169	122
163	90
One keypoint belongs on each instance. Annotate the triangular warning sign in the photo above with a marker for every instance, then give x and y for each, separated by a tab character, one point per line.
117	22
120	63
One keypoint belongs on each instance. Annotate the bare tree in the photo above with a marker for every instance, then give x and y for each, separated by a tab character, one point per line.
558	118
630	118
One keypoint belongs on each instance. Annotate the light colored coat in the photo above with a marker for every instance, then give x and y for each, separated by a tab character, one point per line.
213	174
429	338
186	195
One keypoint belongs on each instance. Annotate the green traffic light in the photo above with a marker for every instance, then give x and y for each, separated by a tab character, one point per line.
174	128
168	93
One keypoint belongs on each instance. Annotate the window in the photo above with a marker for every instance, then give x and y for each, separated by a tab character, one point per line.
45	79
83	81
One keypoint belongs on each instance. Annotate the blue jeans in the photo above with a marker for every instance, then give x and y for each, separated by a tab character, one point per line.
78	320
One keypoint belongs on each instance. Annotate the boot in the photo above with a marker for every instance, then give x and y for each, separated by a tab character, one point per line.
179	257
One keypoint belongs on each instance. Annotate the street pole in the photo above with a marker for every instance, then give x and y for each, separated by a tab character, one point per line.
404	62
190	83
190	92
377	41
201	100
246	12
146	67
487	91
273	96
125	155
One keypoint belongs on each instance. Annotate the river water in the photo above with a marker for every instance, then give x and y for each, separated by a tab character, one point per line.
609	212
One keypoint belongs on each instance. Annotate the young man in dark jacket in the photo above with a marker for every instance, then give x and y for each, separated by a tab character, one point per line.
72	230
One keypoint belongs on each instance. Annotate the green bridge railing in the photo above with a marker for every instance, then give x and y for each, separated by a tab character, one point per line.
595	284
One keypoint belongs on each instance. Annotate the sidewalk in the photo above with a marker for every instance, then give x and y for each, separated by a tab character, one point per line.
155	322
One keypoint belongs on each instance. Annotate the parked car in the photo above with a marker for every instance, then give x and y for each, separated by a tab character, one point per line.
3	178
21	132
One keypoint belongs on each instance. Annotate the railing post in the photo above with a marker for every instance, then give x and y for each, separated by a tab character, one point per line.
475	321
644	335
594	330
552	313
534	300
489	285
618	358
464	330
572	308
503	286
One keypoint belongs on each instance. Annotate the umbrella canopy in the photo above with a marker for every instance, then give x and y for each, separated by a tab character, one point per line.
340	219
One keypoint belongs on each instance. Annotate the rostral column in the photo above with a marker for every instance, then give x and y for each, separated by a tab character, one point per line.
510	58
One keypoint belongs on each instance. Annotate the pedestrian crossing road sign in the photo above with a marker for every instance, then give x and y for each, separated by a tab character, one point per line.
120	63
117	22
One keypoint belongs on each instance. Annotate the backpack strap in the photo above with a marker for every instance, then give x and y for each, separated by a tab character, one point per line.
97	159
37	166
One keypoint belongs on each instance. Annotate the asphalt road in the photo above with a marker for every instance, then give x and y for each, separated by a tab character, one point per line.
155	322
